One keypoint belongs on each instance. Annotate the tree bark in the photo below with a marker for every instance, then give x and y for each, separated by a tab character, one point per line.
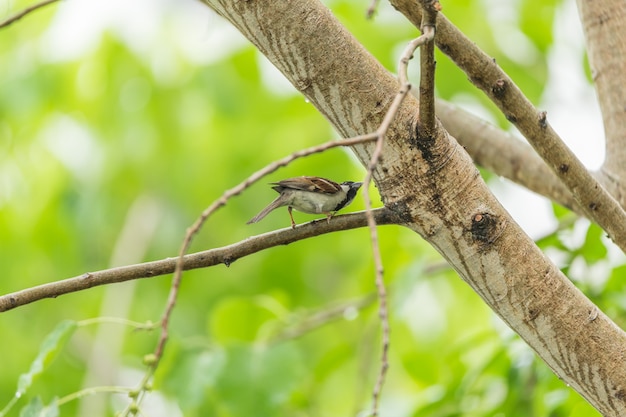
504	155
433	186
603	24
598	204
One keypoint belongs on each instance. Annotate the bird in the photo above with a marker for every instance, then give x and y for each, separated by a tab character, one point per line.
312	195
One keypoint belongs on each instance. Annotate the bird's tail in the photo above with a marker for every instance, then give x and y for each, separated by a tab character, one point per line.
272	206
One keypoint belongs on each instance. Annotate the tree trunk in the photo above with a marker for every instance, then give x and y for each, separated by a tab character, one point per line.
432	183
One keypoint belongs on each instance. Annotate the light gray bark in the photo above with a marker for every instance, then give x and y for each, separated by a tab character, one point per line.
603	24
435	188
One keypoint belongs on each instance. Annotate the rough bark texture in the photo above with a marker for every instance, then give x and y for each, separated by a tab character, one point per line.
434	187
604	23
503	154
599	205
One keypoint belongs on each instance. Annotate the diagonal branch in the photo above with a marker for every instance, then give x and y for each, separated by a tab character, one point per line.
503	154
24	12
440	194
225	255
598	205
197	225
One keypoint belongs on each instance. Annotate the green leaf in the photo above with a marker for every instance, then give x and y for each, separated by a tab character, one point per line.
49	348
260	380
561	212
238	319
537	21
593	249
193	370
616	281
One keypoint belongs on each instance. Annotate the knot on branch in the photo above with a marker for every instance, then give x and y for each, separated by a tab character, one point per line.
499	88
543	119
425	144
431	6
486	228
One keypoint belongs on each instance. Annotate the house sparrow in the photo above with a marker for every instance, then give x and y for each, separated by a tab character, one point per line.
311	195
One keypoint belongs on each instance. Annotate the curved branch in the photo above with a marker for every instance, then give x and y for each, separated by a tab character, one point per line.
383	312
225	255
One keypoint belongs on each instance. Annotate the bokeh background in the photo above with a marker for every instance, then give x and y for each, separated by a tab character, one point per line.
121	121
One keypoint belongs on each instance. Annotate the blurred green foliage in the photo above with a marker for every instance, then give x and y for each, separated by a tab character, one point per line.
109	153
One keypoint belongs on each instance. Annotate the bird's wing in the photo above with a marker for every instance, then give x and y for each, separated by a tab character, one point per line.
313	184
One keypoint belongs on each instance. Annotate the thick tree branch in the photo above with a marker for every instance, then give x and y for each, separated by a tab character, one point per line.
435	185
225	255
604	25
504	155
597	203
508	157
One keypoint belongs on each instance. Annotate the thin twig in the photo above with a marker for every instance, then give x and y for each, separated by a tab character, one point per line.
116	389
322	317
195	228
427	85
372	9
24	12
383	311
427	70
